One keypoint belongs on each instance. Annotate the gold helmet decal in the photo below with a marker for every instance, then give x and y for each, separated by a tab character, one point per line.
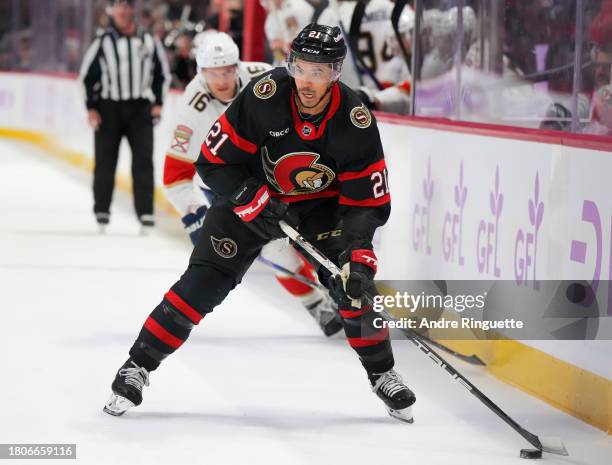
297	173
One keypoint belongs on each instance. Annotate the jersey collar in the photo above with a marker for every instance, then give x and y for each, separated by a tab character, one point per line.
308	131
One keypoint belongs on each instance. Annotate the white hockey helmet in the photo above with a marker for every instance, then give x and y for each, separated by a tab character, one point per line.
217	49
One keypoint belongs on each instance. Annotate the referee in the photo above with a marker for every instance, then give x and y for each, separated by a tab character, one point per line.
126	76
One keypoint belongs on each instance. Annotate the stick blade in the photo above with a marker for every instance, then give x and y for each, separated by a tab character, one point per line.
553	445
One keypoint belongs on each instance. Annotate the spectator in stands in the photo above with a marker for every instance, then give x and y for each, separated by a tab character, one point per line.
183	65
600	33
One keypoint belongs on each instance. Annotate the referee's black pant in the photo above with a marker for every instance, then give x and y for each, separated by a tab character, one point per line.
133	120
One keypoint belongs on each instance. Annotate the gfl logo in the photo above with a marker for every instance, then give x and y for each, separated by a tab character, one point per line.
578	251
421	215
453	224
526	244
488	232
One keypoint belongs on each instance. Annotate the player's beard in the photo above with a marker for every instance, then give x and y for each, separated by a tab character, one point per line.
302	104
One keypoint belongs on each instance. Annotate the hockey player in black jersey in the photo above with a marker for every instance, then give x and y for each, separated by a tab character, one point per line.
296	145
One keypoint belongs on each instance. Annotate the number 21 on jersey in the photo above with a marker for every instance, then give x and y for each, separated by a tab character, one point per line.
210	140
380	184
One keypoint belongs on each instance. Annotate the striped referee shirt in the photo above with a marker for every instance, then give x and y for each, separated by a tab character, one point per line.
121	68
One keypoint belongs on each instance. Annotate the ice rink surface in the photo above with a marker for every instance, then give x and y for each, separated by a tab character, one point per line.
256	383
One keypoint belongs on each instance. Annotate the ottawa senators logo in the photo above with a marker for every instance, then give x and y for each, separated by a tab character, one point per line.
265	87
361	117
225	247
297	173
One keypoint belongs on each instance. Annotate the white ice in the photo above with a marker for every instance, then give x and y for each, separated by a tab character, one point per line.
255	384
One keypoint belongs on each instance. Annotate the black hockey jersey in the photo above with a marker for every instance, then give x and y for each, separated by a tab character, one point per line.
262	135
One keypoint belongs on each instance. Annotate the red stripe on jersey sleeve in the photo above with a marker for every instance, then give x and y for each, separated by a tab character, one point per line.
343	200
238	141
177	170
349	175
209	156
227	130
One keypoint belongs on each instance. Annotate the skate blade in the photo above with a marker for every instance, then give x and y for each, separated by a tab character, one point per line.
102	228
117	405
146	231
404	414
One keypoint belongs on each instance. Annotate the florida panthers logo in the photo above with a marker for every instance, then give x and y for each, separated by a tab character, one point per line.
297	173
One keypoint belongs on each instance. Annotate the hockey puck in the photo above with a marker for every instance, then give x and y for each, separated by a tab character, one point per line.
531	454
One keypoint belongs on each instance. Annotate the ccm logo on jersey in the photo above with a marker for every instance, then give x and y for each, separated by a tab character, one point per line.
249	212
264	88
361	117
366	257
225	248
279	133
297	173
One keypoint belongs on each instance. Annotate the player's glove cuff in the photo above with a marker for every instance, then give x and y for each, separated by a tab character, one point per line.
260	212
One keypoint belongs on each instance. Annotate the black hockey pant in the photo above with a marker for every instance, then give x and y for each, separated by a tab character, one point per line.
131	119
225	251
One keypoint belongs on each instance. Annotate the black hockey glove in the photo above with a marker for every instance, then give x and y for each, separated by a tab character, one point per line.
358	270
260	212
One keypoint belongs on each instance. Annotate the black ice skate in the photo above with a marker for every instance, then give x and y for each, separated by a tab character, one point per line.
102	219
127	388
325	312
394	393
147	224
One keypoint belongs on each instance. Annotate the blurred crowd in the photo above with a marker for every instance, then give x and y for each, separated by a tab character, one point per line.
526	42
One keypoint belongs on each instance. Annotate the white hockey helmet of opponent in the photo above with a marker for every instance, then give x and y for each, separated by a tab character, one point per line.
217	49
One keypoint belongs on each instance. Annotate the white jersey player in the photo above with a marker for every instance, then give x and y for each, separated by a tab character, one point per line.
396	97
372	37
284	19
220	78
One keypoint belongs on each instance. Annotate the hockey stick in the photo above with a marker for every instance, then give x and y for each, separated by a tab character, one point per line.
472	359
353	50
395	17
550	445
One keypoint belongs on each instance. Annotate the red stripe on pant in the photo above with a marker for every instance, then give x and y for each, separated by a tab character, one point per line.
349	314
162	334
183	307
372	340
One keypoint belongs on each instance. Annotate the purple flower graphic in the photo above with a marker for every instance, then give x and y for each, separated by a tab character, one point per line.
428	183
496	198
460	190
536	208
536	215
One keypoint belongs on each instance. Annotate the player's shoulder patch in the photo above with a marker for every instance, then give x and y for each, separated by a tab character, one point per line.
265	87
182	138
361	116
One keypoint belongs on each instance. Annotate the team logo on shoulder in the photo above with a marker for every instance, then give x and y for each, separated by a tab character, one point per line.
225	247
265	87
297	173
361	117
182	137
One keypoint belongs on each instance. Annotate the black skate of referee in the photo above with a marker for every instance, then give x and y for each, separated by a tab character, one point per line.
296	145
125	75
